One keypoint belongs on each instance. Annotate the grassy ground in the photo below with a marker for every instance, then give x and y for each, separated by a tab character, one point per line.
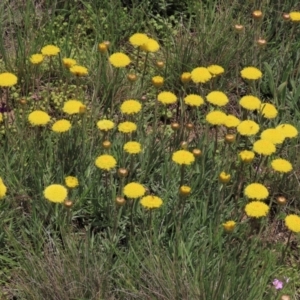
99	243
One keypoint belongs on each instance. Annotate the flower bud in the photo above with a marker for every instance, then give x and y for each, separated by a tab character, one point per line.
120	201
229	226
157	81
224	177
23	101
106	144
189	126
131	77
281	200
82	109
239	28
184	145
230	138
186	77
175	126
261	43
107	43
197	152
257	15
122	172
68	203
160	64
102	47
286	16
184	190
285	297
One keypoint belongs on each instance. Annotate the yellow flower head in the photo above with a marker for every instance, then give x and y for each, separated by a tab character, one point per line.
216	117
119	60
250	102
61	126
229	226
138	39
38	118
134	190
132	147
102	47
130	107
246	156
72	107
289	131
256	191
183	157
215	70
264	147
127	127
157	81
56	193
79	71
256	209
281	165
8	79
295	16
186	77
251	73
151	202
268	110
151	45
166	98
184	190
3	189
105	125
200	75
248	128
224	177
69	62
217	98
292	222
71	182
193	100
231	121
105	162
50	50
273	135
36	59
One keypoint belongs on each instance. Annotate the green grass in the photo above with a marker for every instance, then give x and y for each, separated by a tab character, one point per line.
97	249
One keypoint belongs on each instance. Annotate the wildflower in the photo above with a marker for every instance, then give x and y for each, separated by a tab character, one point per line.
38	118
264	147
79	71
248	128
246	156
71	182
281	200
166	98
61	125
257	14
292	222
273	135
295	16
132	78
72	107
277	284
256	209
151	202
127	127
8	79
3	189
138	39
151	45
184	190
130	107
102	47
239	28
186	77
50	50
69	62
120	201
229	226
231	121
256	191
193	100
56	193
289	131
122	172
250	102
215	70
197	152
200	75
106	144
105	125
281	165
217	98
268	110
36	59
216	117
230	138
119	60
132	147
183	157
224	177
251	73
105	162
134	190
157	81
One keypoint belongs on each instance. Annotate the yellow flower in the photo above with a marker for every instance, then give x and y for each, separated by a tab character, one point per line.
151	45
289	131
216	117
119	60
251	73
69	62
1	117
61	125
200	75
292	222
186	77
273	135
184	190
132	147
224	177
231	121
281	165
217	98
183	157
79	71
295	16
36	59
256	191
138	39
38	118
229	226
247	156
134	190
151	202
130	107
50	50
72	107
105	125
250	102
71	182
157	81
248	128
215	70
102	47
166	98
127	127
8	79
264	147
268	110
193	100
3	189
56	193
105	162
256	209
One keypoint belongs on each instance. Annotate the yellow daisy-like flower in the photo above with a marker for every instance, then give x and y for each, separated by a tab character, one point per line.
281	165
193	100
246	156
231	121
273	135
71	182
50	50
295	16
119	60
217	98
134	190
61	126
127	127
36	59
264	147
79	71
224	177
131	107
256	191
248	128
215	70
251	73
256	209
229	226
105	162
132	147
150	46
216	117
166	98
200	75
183	157
69	62
38	118
186	77
72	107
157	81
289	131
138	39
56	193
292	222
250	102
8	79
268	110
151	202
3	189
105	125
